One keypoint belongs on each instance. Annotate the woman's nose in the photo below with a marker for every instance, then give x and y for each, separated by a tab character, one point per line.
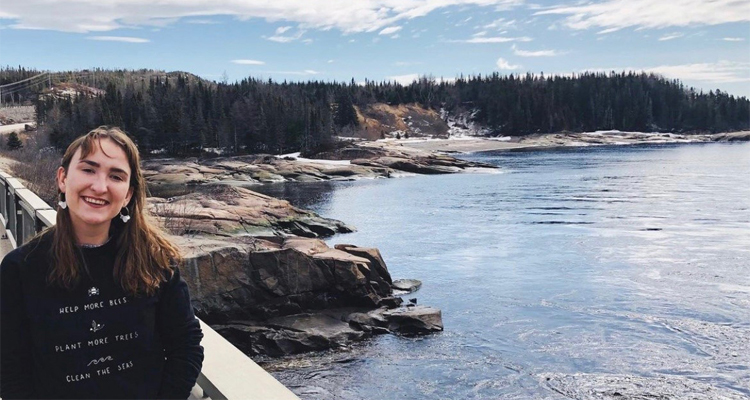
99	184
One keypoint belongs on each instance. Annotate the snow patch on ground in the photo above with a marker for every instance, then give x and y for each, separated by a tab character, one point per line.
615	132
463	125
213	150
297	157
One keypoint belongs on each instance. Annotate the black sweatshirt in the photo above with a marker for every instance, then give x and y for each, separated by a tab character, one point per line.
95	341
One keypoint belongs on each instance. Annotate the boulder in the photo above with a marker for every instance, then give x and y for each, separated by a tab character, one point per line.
407	285
258	278
377	272
292	334
285	295
417	320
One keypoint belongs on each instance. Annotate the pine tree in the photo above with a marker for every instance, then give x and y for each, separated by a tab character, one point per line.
14	143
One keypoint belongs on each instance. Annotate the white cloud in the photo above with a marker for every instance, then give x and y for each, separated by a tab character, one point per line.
330	61
671	36
345	15
280	30
503	64
389	30
280	38
734	39
718	72
538	53
508	5
618	14
201	21
403	79
125	39
249	62
409	78
501	24
496	39
608	30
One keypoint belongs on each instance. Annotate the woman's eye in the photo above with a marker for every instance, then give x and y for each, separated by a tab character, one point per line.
88	170
117	178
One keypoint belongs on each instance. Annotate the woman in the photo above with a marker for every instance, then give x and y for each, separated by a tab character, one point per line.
94	307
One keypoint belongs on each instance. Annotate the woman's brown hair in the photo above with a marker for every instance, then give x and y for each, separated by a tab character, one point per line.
145	257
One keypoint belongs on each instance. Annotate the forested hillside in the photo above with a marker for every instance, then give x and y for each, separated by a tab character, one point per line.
179	114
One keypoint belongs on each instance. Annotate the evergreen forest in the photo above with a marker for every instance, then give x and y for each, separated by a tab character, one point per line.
179	114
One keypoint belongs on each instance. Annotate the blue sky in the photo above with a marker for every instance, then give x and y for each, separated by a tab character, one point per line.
704	43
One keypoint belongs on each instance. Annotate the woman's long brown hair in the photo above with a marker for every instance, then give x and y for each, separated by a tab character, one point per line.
145	257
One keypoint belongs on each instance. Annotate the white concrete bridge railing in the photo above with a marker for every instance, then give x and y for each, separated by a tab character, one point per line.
227	372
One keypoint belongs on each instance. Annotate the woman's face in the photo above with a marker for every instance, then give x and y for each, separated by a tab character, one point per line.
96	187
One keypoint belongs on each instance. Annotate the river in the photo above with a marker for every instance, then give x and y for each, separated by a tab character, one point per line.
602	272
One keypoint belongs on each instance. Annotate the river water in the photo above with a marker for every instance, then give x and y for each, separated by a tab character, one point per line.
616	272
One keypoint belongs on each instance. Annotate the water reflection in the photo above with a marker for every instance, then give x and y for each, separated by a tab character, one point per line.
307	195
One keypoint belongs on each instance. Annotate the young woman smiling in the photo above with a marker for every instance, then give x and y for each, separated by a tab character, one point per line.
94	307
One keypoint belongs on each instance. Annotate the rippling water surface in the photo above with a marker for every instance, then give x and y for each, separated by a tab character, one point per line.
607	272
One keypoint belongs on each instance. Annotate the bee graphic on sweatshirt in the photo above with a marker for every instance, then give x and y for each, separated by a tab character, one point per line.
96	327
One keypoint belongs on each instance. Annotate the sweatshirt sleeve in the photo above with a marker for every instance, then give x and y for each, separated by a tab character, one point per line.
16	370
181	335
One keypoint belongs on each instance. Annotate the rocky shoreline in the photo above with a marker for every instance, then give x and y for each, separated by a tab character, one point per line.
255	265
258	274
355	161
468	144
278	296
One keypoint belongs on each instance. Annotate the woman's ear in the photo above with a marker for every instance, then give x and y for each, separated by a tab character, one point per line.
128	197
61	178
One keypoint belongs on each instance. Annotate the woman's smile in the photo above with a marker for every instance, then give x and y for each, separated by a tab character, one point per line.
94	202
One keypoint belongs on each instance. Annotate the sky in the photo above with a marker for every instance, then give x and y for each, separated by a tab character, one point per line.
704	43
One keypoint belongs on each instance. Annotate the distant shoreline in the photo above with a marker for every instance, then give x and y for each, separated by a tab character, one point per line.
553	140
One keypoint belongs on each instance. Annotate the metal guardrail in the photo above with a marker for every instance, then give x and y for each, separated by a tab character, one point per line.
227	372
23	212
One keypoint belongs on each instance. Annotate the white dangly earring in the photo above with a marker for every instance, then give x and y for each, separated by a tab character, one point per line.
126	216
62	202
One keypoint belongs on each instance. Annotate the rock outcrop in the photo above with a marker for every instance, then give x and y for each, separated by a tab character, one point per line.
223	210
742	136
258	274
355	161
278	295
261	278
165	175
393	156
333	328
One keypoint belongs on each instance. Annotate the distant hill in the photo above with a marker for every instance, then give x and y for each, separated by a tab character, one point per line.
179	113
